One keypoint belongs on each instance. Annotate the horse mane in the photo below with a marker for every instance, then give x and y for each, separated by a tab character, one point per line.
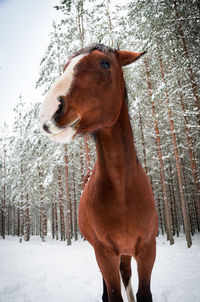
101	47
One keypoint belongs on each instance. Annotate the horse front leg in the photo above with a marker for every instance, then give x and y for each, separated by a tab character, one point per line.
105	292
145	261
125	270
109	266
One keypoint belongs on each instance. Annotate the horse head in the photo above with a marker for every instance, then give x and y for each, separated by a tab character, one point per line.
88	95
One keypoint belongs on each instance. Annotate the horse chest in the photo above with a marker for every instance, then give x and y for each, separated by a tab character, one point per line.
106	216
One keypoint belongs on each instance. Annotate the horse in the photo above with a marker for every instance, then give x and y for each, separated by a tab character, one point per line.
117	212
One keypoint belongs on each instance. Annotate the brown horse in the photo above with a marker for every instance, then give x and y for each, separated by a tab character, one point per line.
117	213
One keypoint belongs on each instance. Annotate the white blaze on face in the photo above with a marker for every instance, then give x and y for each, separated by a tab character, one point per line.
50	104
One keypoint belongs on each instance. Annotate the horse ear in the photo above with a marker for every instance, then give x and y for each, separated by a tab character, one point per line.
128	57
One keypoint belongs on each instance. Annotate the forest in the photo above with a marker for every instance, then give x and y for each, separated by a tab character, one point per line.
41	181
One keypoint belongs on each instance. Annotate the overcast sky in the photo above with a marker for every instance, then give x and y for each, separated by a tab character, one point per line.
24	36
24	29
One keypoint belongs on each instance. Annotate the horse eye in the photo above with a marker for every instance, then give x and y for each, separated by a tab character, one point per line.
105	64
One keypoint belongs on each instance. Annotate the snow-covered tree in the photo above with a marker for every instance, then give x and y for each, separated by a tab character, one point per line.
41	182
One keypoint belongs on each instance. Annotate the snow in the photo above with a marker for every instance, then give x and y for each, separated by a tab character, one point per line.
51	271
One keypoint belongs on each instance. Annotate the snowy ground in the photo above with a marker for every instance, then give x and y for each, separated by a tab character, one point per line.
52	272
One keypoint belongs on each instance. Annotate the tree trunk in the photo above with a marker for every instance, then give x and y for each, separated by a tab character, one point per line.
178	166
162	174
75	210
14	220
61	205
143	143
68	203
80	23
18	220
42	227
110	26
42	214
171	207
160	216
53	220
186	52
58	45
56	220
174	200
27	221
3	208
190	150
87	154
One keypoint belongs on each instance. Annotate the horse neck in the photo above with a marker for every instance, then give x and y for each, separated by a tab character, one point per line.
116	156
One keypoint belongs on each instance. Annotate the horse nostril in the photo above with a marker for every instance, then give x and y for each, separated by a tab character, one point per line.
60	98
60	108
46	128
59	113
